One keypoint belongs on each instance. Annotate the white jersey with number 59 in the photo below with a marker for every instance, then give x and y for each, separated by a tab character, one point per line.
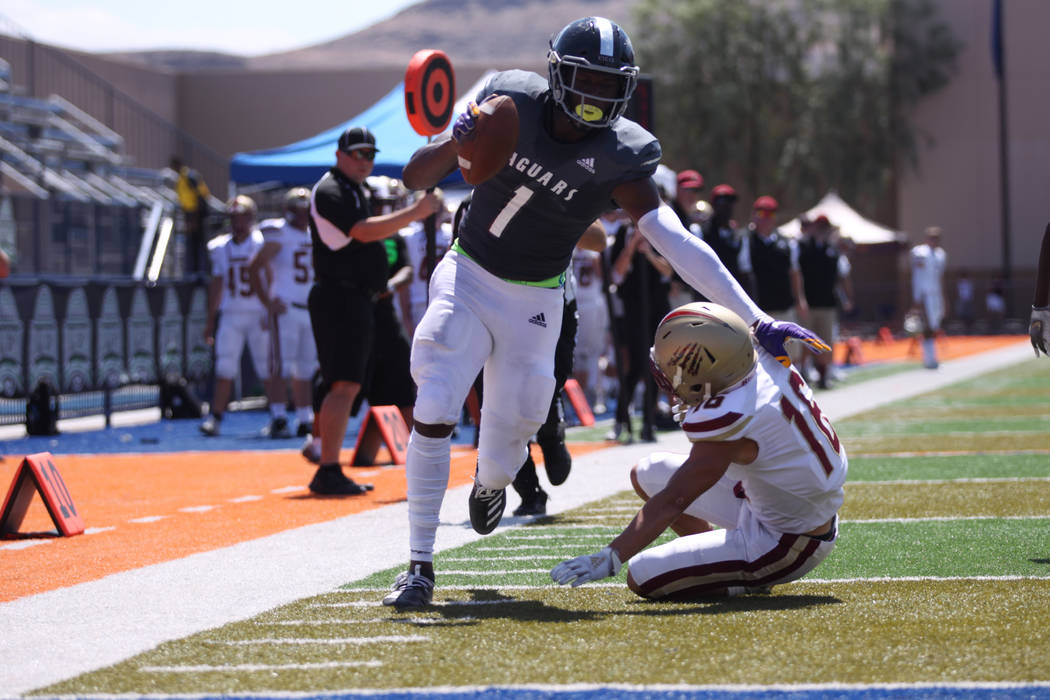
293	269
795	484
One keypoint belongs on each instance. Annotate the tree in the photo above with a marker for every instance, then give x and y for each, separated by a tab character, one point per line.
793	97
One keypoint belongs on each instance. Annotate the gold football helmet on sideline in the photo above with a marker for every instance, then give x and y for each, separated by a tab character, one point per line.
700	350
297	198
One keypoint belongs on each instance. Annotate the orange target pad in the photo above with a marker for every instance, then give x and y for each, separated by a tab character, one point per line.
430	92
38	474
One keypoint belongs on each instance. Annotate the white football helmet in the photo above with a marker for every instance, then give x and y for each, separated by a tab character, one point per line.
700	350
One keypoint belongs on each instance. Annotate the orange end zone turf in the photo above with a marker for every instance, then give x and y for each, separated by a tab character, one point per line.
907	349
146	509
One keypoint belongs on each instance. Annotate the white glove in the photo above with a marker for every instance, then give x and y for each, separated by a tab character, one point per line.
1039	329
589	567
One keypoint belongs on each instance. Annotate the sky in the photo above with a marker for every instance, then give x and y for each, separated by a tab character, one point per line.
242	27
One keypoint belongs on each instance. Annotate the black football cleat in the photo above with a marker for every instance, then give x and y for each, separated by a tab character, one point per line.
486	507
534	504
410	590
279	429
333	482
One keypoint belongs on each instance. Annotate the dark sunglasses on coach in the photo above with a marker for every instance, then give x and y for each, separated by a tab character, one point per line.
363	154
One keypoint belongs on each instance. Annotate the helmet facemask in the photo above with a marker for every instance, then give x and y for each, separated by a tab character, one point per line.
595	106
591	70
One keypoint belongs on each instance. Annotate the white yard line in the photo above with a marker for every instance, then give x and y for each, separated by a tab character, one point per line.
62	633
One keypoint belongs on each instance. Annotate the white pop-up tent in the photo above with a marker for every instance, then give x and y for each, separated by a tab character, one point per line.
851	224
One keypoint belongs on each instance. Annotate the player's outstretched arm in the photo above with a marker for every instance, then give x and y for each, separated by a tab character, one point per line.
693	259
696	263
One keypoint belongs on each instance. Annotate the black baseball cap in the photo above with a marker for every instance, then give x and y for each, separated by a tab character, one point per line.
357	137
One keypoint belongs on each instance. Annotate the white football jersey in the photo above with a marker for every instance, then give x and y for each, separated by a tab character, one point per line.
293	269
230	260
416	244
927	268
587	268
795	484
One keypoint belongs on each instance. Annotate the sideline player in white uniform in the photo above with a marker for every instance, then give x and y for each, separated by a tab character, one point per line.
286	251
496	298
766	466
243	317
416	241
928	261
592	334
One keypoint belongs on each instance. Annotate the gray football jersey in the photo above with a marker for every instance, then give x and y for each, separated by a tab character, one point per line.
524	222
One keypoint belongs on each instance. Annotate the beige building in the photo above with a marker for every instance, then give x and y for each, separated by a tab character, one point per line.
957	184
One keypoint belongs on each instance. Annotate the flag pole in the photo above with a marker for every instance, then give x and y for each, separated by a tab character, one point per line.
999	58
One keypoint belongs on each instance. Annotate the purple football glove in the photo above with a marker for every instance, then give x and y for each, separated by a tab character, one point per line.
465	122
772	334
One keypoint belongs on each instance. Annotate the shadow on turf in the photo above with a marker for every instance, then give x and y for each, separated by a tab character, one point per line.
521	610
528	610
718	606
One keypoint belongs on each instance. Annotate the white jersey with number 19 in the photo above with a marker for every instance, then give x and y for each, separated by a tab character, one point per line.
230	261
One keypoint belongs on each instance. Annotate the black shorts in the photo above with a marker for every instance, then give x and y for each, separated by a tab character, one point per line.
344	328
390	375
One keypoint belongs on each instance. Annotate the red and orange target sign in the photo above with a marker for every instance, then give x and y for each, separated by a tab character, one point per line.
430	92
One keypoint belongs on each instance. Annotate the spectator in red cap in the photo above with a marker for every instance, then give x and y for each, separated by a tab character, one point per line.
687	196
771	261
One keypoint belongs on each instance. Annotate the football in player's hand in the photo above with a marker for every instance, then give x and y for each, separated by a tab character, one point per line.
488	147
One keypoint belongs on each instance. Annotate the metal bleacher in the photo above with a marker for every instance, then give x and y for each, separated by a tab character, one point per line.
97	265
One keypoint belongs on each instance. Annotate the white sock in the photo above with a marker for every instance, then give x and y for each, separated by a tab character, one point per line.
277	410
426	471
305	414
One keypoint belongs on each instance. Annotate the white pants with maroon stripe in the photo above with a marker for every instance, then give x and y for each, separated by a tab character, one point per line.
745	554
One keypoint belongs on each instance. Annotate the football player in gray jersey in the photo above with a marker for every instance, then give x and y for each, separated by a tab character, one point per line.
496	298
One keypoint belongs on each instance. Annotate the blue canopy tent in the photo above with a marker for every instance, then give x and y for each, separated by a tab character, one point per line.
304	162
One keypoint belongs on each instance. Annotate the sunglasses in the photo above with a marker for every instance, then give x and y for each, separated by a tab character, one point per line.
362	154
765	213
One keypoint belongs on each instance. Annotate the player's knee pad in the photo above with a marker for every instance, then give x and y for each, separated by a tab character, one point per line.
530	397
437	402
511	413
652	473
502	447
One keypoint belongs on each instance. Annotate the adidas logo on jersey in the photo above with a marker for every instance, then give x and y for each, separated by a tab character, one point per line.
587	164
539	320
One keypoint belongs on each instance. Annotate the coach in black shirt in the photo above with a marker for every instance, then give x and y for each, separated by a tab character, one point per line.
771	261
350	271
